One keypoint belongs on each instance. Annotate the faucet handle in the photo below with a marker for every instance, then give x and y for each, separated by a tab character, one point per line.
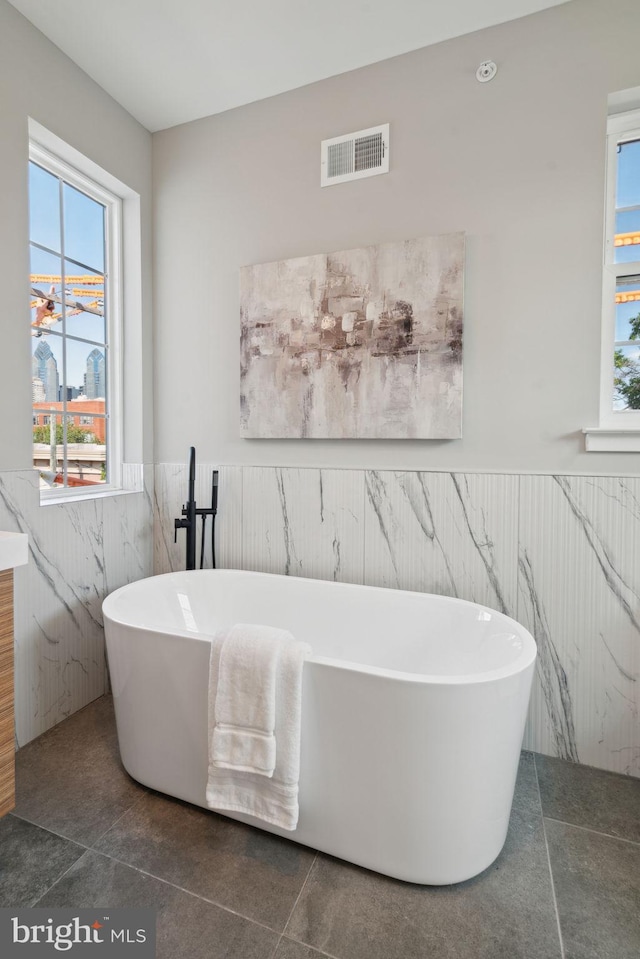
179	524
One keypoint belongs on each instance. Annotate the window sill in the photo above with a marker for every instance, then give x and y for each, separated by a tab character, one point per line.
132	479
57	498
603	440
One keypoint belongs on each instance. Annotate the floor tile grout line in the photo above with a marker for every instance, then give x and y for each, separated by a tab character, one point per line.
189	892
314	950
283	934
59	835
78	842
59	879
121	816
144	872
596	832
546	846
553	892
276	947
302	888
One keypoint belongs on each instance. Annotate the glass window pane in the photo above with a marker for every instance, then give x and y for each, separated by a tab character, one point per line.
86	447
628	181
88	420
628	221
627	308
47	369
627	320
46	313
627	254
627	378
44	208
627	236
46	380
86	370
68	328
84	290
83	228
47	446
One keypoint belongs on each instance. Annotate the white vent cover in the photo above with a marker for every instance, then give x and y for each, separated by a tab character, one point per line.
356	155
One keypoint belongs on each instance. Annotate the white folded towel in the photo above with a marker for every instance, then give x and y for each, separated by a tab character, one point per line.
245	701
255	684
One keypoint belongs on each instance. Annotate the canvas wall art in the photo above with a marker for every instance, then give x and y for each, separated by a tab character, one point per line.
361	344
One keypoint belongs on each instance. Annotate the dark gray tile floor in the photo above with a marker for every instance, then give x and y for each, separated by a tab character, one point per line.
83	834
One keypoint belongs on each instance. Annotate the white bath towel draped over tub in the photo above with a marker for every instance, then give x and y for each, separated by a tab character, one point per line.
255	685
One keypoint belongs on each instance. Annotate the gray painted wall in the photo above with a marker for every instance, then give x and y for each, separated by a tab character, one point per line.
38	81
517	163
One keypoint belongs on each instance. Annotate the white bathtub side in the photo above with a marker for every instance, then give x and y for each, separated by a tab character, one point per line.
411	779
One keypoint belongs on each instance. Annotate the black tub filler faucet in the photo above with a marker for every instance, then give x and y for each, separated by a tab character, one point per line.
190	512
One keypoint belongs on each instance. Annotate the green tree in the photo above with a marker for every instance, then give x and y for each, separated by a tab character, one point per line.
626	377
75	434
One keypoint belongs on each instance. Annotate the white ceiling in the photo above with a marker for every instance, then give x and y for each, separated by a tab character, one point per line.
171	61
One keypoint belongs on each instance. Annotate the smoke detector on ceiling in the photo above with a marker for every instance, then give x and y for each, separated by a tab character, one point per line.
355	155
486	71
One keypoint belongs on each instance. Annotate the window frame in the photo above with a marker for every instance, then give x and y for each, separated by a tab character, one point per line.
89	182
618	430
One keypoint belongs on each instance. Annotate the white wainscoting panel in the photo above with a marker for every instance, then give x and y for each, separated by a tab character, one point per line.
78	552
171	491
128	534
560	554
580	596
229	521
447	533
304	522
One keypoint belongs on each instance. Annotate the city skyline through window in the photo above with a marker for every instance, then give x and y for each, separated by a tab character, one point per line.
69	331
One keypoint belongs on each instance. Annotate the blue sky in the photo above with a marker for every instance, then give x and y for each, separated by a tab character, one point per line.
83	222
627	195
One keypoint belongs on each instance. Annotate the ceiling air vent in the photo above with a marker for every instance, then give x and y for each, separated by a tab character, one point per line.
356	155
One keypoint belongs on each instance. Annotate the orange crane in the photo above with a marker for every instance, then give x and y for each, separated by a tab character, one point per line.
628	239
75	287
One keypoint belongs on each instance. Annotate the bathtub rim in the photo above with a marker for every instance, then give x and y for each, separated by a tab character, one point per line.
524	661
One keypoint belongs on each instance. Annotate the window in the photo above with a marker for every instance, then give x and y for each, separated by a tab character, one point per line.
620	376
74	239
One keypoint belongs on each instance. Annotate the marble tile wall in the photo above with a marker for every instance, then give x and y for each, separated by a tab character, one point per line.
560	554
78	553
579	592
171	485
304	522
445	533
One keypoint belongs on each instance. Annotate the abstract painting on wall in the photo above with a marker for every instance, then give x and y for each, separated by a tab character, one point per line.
363	344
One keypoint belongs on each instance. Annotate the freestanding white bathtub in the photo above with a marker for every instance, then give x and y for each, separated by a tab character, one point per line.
412	719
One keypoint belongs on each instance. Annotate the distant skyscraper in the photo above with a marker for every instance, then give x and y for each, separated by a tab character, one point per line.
94	380
45	368
37	390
